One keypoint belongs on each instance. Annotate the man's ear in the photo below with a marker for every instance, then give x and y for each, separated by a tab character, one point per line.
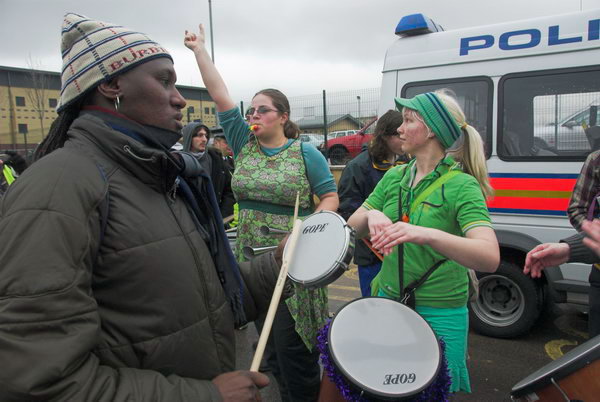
110	89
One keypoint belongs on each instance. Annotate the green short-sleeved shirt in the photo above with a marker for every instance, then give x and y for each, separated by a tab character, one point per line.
455	207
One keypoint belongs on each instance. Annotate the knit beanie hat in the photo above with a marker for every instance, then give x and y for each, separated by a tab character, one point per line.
436	116
95	51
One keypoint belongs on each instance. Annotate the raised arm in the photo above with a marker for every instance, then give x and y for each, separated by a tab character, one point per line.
212	79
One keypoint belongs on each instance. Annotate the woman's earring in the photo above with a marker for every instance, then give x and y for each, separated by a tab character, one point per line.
117	103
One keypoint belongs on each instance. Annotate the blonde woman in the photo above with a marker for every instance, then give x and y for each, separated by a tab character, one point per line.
434	206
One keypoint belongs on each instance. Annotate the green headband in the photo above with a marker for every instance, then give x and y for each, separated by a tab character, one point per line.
436	116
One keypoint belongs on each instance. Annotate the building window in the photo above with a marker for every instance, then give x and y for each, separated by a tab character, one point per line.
206	110
20	100
23	129
213	111
52	102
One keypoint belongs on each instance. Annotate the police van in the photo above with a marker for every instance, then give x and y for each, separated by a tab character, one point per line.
532	90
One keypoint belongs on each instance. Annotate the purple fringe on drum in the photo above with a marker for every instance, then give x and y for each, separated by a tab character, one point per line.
437	391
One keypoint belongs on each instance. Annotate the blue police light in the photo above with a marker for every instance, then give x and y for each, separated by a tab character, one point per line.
416	24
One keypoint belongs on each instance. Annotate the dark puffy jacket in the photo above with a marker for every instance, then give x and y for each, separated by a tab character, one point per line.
135	314
358	180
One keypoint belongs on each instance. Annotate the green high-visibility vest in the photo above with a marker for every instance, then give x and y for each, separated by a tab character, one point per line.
8	174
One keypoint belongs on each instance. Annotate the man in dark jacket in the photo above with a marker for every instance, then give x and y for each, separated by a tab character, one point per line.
116	282
359	178
11	166
195	138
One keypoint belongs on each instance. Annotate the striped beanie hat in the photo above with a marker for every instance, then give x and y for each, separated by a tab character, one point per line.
436	116
95	51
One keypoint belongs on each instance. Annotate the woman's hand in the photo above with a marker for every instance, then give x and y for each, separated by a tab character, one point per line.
400	232
377	222
195	42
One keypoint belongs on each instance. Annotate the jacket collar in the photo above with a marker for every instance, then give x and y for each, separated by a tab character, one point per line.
141	150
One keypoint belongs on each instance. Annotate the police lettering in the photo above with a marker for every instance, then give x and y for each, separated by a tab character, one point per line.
526	38
399	379
315	228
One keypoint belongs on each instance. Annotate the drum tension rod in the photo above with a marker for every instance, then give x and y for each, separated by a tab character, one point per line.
563	392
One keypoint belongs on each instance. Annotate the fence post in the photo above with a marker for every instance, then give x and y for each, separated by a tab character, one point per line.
325	123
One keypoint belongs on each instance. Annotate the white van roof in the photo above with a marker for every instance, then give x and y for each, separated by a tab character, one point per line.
554	34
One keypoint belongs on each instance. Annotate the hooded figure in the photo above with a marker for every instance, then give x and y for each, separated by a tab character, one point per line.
195	139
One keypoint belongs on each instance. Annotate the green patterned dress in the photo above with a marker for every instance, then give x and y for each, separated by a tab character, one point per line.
265	187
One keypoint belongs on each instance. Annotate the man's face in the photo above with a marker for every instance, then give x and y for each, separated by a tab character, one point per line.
149	96
220	143
199	141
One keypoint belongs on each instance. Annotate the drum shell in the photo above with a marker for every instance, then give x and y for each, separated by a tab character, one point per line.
576	373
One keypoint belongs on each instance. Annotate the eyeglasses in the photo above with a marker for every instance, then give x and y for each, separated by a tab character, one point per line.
259	110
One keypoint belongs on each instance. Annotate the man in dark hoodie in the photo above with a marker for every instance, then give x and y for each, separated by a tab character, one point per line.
195	140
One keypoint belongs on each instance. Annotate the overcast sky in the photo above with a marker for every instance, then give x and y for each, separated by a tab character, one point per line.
298	46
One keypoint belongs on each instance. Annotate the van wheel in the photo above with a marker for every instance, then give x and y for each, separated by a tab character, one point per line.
509	302
338	156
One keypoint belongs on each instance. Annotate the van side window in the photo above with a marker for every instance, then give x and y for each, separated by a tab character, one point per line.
474	95
549	115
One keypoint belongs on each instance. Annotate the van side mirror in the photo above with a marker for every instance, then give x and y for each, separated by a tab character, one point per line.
570	124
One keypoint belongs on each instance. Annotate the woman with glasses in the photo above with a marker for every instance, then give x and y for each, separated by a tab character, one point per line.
359	178
271	166
434	206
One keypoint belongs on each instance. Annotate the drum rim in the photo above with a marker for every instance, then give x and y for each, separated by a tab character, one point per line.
340	257
574	360
366	389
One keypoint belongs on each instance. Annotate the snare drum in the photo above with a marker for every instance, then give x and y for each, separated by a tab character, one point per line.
573	376
323	251
385	350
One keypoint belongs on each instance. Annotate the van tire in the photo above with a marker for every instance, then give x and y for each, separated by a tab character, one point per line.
338	155
509	302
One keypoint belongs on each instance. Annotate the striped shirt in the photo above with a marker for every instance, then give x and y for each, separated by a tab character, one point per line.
585	192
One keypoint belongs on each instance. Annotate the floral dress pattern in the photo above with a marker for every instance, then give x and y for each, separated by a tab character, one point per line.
265	187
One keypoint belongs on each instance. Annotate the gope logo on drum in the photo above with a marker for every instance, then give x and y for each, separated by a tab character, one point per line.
399	379
315	228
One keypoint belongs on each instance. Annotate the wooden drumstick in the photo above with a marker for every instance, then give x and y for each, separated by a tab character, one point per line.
287	257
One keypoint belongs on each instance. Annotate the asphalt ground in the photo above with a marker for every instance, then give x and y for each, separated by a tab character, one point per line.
495	365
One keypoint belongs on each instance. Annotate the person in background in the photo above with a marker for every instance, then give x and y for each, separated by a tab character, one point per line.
195	139
117	280
271	166
359	178
583	208
11	166
435	207
220	142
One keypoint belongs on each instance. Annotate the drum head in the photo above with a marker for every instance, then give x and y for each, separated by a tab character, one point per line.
323	243
384	348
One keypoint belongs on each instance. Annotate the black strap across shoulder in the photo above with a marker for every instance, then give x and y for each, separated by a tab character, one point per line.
405	293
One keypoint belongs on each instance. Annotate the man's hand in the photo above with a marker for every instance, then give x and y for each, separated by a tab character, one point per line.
279	250
195	42
592	230
545	255
240	386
